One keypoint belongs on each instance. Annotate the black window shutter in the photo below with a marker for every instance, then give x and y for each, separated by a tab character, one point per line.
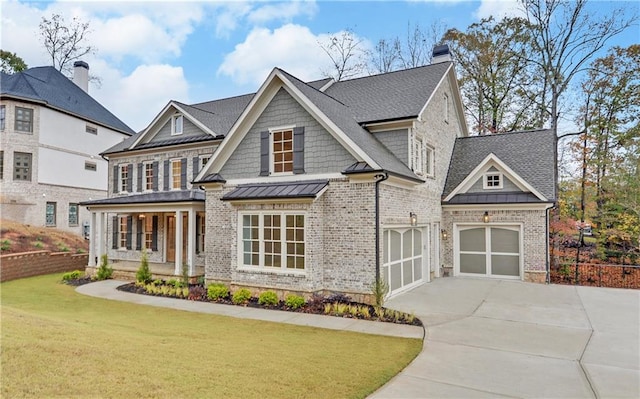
197	233
140	172
130	178
196	167
114	233
264	153
116	169
155	175
139	234
166	175
154	234
298	150
183	174
129	228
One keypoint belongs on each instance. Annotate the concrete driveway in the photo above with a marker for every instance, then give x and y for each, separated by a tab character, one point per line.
489	338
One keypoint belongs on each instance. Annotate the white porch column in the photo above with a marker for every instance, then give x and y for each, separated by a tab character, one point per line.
101	229
178	269
191	241
93	245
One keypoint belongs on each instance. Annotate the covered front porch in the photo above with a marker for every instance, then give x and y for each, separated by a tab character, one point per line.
169	226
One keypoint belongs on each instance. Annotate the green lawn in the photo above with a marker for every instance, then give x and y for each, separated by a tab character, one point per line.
57	343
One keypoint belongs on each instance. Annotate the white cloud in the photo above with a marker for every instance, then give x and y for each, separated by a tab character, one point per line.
282	11
293	48
498	9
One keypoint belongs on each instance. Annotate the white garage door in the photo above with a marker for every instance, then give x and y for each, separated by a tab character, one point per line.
403	259
492	251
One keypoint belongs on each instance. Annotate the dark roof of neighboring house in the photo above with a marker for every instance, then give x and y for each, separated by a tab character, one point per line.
47	85
151	198
306	189
530	154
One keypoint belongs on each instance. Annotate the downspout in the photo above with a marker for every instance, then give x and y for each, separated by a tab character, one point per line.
548	266
379	179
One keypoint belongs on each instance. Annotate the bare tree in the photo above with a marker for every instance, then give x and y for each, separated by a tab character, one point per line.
417	49
386	56
346	54
65	43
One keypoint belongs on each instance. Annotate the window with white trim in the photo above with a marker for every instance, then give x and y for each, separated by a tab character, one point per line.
492	181
445	99
429	161
50	214
176	174
418	156
273	240
123	231
148	176
124	178
148	233
73	214
201	233
177	122
282	151
24	120
203	160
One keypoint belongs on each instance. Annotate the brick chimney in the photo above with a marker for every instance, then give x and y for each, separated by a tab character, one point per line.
440	54
81	75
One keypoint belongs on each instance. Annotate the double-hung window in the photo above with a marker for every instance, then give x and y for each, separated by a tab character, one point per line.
22	166
148	233
274	241
282	150
124	178
123	230
177	122
148	176
176	174
73	214
24	120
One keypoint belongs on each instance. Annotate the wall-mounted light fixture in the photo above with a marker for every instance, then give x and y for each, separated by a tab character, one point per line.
413	218
444	234
201	187
485	217
141	216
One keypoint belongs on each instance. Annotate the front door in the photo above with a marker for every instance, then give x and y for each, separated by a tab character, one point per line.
171	238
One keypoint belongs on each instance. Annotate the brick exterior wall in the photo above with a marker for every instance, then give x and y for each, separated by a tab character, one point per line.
28	264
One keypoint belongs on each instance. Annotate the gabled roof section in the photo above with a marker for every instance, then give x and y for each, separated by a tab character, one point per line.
48	86
389	96
527	158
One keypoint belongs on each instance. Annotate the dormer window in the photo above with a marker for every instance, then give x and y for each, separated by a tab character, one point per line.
176	124
492	181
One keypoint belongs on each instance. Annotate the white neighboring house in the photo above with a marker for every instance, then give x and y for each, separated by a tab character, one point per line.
52	133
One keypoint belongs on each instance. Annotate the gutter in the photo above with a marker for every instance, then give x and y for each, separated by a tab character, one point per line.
379	179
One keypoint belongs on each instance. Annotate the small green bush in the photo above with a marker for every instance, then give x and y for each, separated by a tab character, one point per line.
5	245
217	291
38	244
74	275
294	301
241	296
143	275
268	298
62	247
104	271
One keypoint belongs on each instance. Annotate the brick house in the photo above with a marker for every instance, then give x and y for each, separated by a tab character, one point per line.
305	187
52	133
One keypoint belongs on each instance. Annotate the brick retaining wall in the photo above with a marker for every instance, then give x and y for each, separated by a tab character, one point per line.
28	264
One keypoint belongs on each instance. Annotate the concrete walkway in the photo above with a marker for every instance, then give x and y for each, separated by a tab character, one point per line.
107	289
489	338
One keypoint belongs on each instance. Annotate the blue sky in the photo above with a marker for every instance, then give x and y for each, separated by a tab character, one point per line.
151	52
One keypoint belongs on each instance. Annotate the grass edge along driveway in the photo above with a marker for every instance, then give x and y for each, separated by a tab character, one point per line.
58	343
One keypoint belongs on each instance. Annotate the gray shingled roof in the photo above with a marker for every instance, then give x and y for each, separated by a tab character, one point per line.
389	96
151	198
306	189
530	154
47	85
342	116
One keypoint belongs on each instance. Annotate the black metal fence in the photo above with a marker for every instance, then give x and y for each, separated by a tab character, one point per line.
565	271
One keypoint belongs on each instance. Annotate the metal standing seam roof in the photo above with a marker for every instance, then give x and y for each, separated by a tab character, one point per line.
151	198
306	189
530	154
494	198
49	86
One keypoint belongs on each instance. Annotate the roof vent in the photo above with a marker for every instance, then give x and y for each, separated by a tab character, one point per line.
81	75
440	54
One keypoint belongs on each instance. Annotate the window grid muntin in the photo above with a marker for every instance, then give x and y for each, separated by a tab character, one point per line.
148	176
122	231
22	166
124	177
295	244
73	214
50	214
24	120
148	233
251	240
493	181
272	228
282	151
176	174
202	232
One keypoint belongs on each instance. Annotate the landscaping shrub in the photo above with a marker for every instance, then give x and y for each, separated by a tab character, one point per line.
143	275
241	296
74	275
104	271
294	301
217	291
5	245
268	298
197	293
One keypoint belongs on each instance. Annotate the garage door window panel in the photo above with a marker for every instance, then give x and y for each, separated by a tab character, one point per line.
402	258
